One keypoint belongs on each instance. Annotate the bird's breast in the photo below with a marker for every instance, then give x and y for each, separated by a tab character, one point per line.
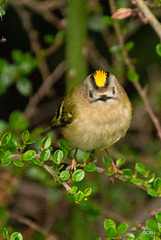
97	129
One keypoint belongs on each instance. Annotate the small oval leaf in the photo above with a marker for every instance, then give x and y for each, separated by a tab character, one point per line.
78	175
45	154
64	176
28	155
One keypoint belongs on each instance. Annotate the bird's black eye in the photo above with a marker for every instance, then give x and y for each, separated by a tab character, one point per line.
113	90
90	94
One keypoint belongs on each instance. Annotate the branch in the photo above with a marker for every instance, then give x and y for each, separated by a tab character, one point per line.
44	9
44	89
136	84
48	169
33	37
149	16
118	176
28	222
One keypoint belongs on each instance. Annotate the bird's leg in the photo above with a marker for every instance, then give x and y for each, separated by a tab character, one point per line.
74	161
112	162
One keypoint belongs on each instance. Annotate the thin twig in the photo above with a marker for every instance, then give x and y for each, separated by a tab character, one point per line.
45	5
44	89
33	37
44	9
28	222
48	169
118	176
136	84
149	16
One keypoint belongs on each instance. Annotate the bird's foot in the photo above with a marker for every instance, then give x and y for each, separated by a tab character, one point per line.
73	164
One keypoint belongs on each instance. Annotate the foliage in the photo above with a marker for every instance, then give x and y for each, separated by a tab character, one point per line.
17	72
89	37
14	151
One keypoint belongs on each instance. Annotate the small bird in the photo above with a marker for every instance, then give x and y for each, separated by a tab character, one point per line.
95	114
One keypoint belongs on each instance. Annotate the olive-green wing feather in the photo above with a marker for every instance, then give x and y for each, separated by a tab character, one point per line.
63	115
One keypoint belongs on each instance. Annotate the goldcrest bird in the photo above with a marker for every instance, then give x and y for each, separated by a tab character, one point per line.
95	114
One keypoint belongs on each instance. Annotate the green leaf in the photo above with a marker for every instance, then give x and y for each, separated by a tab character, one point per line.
129	46
156	238
159	227
31	142
6	138
111	232
5	234
22	146
135	180
28	155
158	217
120	161
110	227
63	144
148	185
49	38
109	172
115	49
158	49
122	228
108	223
56	171
24	86
25	136
45	154
79	196
37	162
107	161
86	157
140	168
65	153
58	156
7	154
64	175
150	178
16	236
3	12
108	20
73	189
133	76
152	192
36	173
96	23
127	173
90	167
129	236
5	162
152	225
46	142
18	163
145	236
78	175
87	192
157	184
18	121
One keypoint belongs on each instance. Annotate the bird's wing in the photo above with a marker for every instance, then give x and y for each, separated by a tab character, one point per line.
64	114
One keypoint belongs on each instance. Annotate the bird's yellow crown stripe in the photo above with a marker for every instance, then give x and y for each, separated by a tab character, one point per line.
100	78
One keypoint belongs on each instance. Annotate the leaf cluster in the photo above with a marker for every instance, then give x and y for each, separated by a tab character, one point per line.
17	72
